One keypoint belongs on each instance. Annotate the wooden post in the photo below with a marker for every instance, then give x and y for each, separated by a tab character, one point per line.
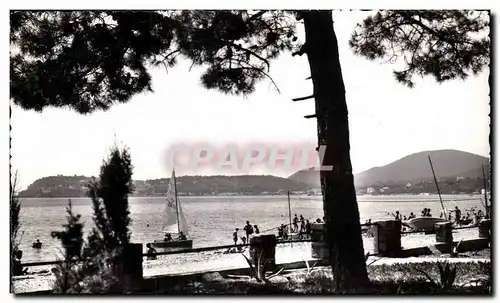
444	234
132	264
318	244
266	245
387	238
484	227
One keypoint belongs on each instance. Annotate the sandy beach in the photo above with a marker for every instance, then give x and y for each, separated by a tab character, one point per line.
42	278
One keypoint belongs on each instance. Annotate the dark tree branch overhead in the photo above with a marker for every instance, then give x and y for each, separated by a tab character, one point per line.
90	60
443	44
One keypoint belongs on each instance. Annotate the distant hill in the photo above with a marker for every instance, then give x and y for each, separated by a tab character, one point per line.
75	186
448	164
307	176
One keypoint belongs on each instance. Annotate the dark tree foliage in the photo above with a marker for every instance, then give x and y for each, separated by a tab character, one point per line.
444	44
15	208
109	197
67	277
90	60
94	266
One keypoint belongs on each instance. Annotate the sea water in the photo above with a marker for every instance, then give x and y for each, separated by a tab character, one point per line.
212	219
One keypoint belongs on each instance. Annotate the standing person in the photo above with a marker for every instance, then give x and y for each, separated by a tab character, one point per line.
397	216
248	230
152	251
302	226
295	223
285	233
235	236
458	215
280	231
308	229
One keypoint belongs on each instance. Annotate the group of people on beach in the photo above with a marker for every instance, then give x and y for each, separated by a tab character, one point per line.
454	216
300	226
304	231
249	230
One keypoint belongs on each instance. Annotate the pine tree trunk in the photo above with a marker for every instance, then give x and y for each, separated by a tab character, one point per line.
339	195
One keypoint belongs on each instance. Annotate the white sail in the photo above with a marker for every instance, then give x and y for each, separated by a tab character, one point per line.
170	214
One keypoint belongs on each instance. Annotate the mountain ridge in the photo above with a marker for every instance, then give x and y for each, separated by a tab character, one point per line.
448	163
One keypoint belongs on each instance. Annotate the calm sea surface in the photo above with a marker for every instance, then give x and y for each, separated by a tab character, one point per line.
211	219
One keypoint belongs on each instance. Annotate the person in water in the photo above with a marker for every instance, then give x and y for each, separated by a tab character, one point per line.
256	229
37	244
17	268
235	236
182	236
151	251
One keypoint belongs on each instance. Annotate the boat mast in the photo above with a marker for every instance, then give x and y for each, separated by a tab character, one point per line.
437	186
176	204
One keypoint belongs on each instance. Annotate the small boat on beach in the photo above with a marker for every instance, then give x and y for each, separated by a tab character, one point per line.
174	221
424	223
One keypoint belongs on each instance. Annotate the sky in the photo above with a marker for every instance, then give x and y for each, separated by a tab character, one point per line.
387	120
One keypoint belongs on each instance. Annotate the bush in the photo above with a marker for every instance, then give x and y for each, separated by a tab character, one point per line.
95	266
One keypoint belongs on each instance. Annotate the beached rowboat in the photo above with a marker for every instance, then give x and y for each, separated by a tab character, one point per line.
424	223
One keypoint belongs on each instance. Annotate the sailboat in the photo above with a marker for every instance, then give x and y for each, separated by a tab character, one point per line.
174	221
